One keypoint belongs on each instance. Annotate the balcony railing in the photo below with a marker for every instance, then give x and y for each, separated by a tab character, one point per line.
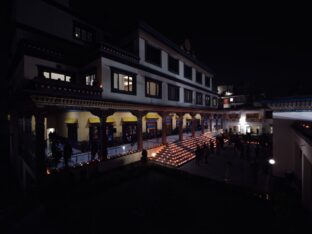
48	86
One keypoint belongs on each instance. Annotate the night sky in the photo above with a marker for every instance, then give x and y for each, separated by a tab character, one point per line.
260	47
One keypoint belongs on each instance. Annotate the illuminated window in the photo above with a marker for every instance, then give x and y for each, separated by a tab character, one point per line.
153	88
54	75
90	79
83	32
123	83
231	99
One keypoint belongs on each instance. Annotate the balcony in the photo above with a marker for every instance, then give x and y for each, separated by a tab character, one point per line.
60	88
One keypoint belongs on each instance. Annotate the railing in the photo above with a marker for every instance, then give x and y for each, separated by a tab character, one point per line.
59	87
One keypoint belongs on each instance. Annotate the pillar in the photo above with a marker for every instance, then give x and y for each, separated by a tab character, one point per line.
40	145
103	114
202	123
193	124
180	126
210	123
139	115
163	130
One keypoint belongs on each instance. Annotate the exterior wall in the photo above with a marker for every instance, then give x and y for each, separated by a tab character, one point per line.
293	153
165	51
48	18
31	66
242	124
106	65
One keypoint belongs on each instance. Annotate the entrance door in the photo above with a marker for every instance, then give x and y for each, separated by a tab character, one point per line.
72	132
129	132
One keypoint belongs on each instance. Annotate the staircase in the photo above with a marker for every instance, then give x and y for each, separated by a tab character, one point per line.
178	153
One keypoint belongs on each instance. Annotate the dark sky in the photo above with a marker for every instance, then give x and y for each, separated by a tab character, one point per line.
262	47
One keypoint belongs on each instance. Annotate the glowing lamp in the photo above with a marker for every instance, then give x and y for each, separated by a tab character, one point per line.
272	161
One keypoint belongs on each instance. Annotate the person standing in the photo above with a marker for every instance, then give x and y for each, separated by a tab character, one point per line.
68	151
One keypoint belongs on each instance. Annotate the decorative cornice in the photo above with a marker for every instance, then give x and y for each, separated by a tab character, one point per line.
42	101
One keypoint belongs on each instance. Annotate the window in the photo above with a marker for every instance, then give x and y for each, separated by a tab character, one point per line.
173	93
83	33
199	77
152	88
52	74
123	82
207	100
199	98
187	72
207	81
152	55
214	101
90	79
188	96
173	65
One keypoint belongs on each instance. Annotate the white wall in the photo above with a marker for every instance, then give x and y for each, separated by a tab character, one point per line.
106	65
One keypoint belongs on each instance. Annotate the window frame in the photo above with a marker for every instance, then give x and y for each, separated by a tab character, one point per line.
188	101
159	83
148	60
172	70
196	101
191	77
178	88
209	98
201	77
88	31
209	79
126	73
43	69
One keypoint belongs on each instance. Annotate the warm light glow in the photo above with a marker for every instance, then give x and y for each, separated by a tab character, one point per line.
231	99
153	154
48	172
228	93
272	161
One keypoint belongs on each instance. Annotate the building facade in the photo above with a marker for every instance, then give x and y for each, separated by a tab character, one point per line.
64	79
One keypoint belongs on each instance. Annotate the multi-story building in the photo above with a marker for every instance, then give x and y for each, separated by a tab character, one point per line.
65	79
244	114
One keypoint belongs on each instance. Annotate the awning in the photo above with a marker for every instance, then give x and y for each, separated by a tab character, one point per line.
94	120
110	120
152	116
129	119
97	120
71	120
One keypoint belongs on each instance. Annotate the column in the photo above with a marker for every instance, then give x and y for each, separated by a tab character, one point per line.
139	115
103	114
217	122
180	126
193	124
163	128
202	123
103	136
210	122
40	145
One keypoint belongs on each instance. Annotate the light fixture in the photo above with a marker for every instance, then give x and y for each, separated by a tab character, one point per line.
272	161
154	154
123	147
